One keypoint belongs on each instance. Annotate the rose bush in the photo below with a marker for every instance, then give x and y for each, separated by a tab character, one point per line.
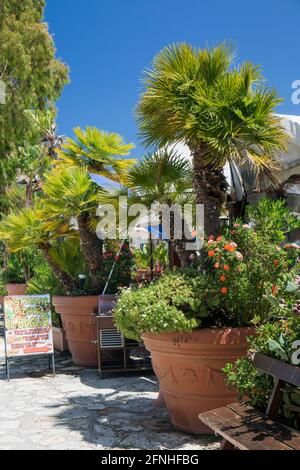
230	286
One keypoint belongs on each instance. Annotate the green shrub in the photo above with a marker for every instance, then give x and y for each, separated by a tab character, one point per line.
44	281
272	219
168	304
274	340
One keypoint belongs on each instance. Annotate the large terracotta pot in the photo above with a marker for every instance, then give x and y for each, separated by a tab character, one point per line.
188	366
16	289
79	322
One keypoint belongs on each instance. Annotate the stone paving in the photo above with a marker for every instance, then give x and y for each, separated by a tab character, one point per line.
77	410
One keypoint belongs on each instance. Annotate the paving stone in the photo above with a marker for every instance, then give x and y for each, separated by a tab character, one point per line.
77	410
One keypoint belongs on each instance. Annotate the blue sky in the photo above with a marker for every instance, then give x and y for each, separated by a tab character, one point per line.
108	43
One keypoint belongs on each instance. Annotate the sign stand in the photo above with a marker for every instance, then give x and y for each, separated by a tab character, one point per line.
51	365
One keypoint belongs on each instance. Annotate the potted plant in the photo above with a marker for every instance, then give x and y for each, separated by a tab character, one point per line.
66	209
195	322
16	273
221	112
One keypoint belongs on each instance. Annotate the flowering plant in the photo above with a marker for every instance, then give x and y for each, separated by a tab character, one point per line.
231	285
241	267
123	260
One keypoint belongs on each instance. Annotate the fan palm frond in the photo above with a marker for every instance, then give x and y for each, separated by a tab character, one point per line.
99	151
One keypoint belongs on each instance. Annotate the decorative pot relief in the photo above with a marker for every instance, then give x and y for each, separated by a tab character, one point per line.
211	376
190	376
165	374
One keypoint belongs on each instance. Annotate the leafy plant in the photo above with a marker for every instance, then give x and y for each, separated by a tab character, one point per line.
274	340
168	304
272	219
230	287
160	256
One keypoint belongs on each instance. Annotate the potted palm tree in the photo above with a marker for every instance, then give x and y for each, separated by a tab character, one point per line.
67	208
222	113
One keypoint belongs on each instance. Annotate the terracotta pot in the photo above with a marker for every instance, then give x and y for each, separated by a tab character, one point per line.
188	366
79	322
16	289
143	275
60	342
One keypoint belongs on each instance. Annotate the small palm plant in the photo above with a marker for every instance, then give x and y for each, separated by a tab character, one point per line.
164	178
69	193
99	151
222	113
31	227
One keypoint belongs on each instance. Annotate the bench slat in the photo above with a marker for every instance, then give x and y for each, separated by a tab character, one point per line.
280	432
279	369
243	434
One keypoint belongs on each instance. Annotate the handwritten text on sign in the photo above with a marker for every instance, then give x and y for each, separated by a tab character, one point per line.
28	326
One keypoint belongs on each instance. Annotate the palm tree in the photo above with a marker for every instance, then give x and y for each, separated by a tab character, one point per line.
31	227
69	193
160	178
99	151
222	113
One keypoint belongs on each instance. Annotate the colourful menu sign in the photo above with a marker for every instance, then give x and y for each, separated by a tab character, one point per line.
28	325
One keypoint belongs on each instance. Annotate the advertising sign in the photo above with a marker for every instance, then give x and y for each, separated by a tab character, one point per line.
28	326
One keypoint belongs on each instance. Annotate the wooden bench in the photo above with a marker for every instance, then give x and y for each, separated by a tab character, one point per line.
244	428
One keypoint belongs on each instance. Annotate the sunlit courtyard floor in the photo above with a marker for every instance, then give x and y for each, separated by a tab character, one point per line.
78	410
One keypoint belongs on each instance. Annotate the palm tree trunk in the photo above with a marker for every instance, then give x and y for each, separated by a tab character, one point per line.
92	248
210	187
65	279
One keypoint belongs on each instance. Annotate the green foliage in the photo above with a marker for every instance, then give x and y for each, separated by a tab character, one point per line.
272	219
160	256
99	151
166	305
14	270
43	281
163	177
67	254
33	79
69	192
241	267
18	268
274	340
32	75
31	227
238	275
244	377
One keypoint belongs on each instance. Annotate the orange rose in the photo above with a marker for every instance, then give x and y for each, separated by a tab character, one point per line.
220	238
224	290
274	290
276	263
226	267
223	278
211	254
211	237
217	265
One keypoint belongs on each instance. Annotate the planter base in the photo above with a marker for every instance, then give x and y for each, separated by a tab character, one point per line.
189	368
79	322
